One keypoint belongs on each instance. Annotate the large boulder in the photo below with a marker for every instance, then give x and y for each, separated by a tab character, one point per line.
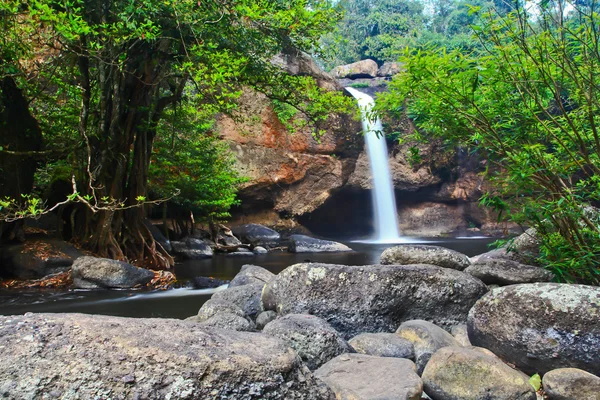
95	273
389	69
79	356
571	383
424	254
307	244
251	274
229	321
359	69
523	249
215	306
315	341
540	326
364	377
257	235
246	297
506	272
382	345
426	339
460	373
373	298
192	249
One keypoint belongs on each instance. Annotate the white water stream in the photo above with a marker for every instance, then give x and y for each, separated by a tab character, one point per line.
384	201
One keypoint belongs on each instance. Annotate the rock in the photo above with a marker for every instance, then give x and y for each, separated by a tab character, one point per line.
241	252
461	373
423	254
540	326
94	273
389	69
571	383
215	306
523	249
192	249
426	339
229	321
251	274
228	240
247	297
158	235
259	250
257	235
206	282
382	345
373	298
461	335
359	69
297	62
315	341
99	357
507	272
307	244
364	377
264	318
36	258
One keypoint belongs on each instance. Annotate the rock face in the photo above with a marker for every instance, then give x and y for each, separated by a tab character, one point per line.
246	297
459	373
307	244
571	383
426	339
382	345
423	254
373	298
251	274
507	272
359	69
94	273
78	356
540	327
363	377
257	234
315	341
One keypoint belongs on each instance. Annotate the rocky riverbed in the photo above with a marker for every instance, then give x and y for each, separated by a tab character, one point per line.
325	331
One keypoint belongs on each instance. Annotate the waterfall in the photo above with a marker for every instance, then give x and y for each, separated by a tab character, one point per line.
384	201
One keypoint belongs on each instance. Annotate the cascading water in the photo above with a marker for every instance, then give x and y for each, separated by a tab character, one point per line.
384	201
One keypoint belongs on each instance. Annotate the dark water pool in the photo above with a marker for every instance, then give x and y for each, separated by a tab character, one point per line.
184	302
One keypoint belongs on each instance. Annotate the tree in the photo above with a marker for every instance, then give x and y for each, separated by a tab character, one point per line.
126	62
530	105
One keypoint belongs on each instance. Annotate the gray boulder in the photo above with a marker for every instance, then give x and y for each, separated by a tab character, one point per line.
214	306
95	273
192	249
307	244
229	321
264	318
246	297
257	235
389	69
571	383
426	339
540	326
507	272
79	356
461	373
251	274
382	345
424	254
373	298
364	377
359	69
259	250
461	335
315	341
523	249
240	252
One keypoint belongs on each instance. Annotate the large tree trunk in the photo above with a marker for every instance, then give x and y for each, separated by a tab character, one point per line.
20	138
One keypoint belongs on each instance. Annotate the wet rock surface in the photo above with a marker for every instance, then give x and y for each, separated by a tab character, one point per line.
95	273
373	298
307	244
540	326
364	377
424	254
461	373
256	234
192	249
78	356
382	345
315	341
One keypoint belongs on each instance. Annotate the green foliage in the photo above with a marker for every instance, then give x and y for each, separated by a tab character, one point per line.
190	160
529	105
536	382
